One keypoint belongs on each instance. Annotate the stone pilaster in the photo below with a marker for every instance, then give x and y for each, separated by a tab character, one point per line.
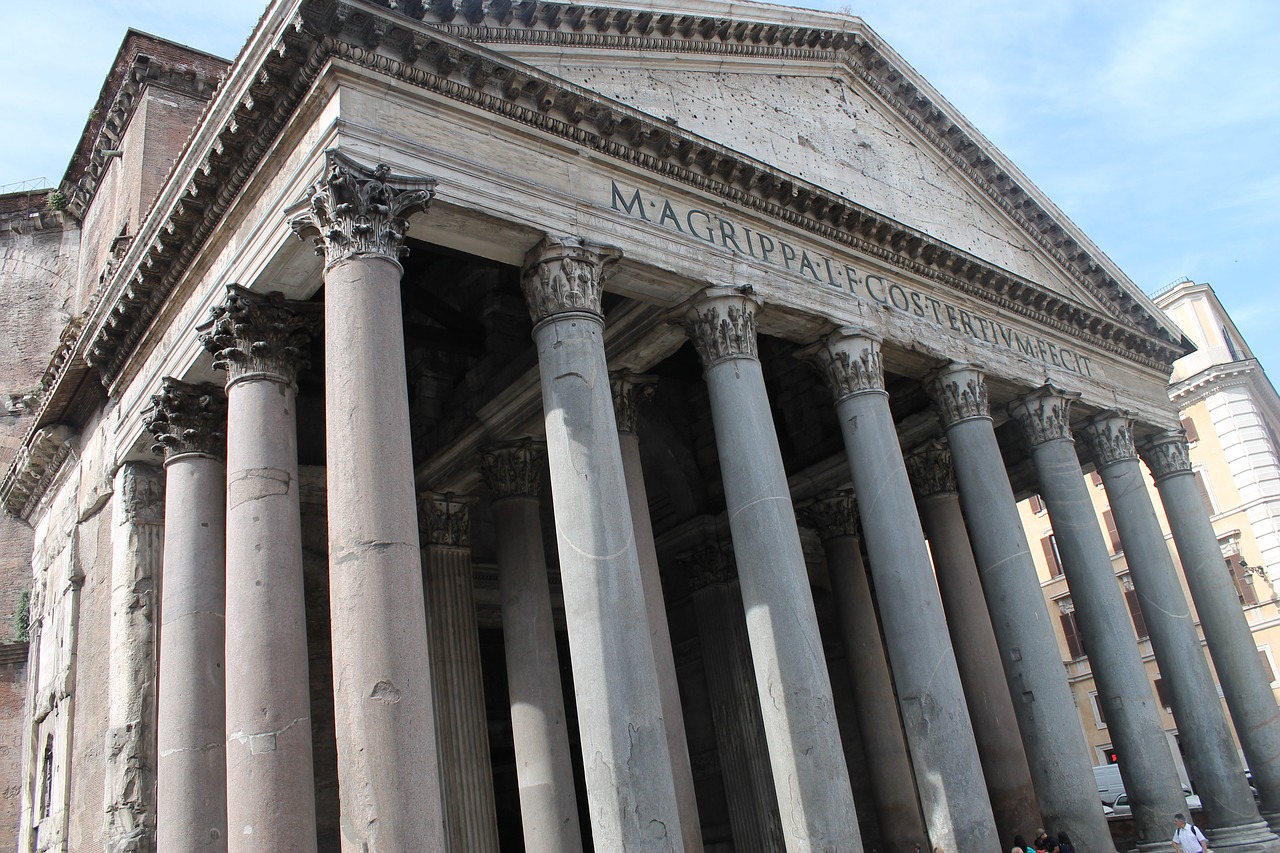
628	768
262	343
1042	700
735	702
1212	760
189	425
453	637
995	726
1226	629
953	797
629	391
137	534
383	707
893	784
1124	689
544	766
791	669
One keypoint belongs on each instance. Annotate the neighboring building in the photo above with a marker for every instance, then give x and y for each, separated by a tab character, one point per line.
1230	412
296	578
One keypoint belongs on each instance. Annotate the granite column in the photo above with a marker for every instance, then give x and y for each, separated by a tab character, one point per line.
809	772
262	343
189	425
1226	628
1212	759
1124	688
544	766
893	786
624	742
1042	700
388	771
995	726
453	636
953	795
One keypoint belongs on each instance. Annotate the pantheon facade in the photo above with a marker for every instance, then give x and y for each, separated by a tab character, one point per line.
530	426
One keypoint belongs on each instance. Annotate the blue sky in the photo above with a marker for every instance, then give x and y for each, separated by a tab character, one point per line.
1154	124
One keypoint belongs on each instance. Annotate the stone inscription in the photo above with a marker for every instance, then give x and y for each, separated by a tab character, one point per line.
838	274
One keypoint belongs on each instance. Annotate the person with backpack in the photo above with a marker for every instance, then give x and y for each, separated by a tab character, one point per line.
1188	838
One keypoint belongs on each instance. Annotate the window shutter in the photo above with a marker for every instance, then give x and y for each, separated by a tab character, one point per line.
1075	646
1244	583
1162	693
1266	666
1135	613
1204	491
1095	479
1190	426
1050	546
1037	505
1113	532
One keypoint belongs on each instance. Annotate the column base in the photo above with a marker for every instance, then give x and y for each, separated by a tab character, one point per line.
1273	821
1255	837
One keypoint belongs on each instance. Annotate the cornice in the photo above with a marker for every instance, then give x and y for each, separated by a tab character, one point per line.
1214	378
34	470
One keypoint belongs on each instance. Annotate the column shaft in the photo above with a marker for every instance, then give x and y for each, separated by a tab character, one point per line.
1235	657
624	744
544	766
1212	760
1042	700
995	726
809	772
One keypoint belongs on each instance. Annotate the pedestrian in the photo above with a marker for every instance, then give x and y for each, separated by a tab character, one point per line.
1020	845
1064	843
1187	838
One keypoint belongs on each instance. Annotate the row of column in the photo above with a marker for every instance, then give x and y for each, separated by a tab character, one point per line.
386	708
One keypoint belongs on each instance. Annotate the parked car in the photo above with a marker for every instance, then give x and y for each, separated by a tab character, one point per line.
1121	808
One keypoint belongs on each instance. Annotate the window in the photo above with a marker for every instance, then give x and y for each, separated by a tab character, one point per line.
1113	532
1075	643
1231	345
1190	427
1050	545
1135	613
1162	693
1098	715
46	779
1037	505
1243	579
1203	485
1095	478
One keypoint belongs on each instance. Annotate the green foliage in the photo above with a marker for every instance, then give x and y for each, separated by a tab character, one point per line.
56	200
22	618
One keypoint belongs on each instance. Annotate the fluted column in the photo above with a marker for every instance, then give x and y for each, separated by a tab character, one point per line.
995	727
1042	700
735	703
544	765
935	717
1226	629
629	389
893	785
381	671
137	532
624	744
470	818
1124	688
189	423
262	343
809	772
1212	759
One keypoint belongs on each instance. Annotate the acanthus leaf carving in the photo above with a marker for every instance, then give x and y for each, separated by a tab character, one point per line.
1109	437
256	335
566	274
629	391
959	393
514	469
187	418
931	469
445	519
709	564
850	360
722	325
1167	453
1044	414
833	515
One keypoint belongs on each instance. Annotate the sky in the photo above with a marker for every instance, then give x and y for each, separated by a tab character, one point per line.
1153	124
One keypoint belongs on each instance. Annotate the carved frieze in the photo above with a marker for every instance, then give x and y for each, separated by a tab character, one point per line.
833	515
629	391
1109	437
444	519
931	470
850	360
266	336
566	274
722	325
709	564
1044	414
1166	453
959	393
186	418
514	468
356	210
141	493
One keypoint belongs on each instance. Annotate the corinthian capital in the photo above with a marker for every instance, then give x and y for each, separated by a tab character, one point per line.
709	564
514	469
959	393
566	274
721	322
187	418
1166	453
255	336
833	515
355	210
931	470
850	360
444	519
1109	437
1044	414
629	390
